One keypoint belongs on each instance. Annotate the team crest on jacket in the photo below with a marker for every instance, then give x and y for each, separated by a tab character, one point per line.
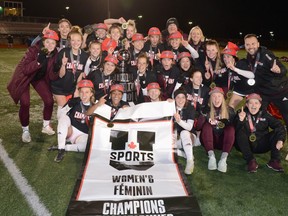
132	149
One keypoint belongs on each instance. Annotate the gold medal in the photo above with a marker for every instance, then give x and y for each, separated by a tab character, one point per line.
212	85
252	137
220	124
229	94
110	125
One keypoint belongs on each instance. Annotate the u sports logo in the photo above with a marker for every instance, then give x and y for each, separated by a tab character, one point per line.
132	150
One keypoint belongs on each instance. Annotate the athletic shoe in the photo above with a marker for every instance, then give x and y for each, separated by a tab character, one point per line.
26	137
48	130
212	163
189	167
222	165
52	148
275	165
60	155
252	166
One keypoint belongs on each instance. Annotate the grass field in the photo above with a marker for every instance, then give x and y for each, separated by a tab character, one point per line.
233	193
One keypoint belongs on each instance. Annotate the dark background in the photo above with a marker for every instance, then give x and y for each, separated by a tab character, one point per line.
217	18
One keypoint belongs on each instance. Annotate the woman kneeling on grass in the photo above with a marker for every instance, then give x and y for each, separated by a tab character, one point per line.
73	127
217	131
35	68
253	134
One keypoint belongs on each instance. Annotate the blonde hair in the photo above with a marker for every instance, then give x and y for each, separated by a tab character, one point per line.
75	30
194	29
133	24
224	114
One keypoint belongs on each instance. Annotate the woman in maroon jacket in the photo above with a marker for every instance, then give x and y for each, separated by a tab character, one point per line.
35	68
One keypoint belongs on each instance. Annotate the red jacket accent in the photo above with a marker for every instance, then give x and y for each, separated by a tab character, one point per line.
26	70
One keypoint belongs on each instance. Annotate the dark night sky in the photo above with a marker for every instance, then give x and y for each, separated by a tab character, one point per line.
221	18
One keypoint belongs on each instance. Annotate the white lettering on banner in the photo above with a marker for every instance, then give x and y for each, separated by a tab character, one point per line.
137	207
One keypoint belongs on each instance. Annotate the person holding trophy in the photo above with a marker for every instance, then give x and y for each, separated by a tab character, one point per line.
253	134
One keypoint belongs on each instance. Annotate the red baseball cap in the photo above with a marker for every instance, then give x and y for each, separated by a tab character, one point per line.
175	35
253	96
137	36
101	26
85	83
167	54
216	90
118	87
153	85
231	49
50	34
111	58
182	55
154	31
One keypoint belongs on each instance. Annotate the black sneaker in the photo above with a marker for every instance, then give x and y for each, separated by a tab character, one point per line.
52	148
60	155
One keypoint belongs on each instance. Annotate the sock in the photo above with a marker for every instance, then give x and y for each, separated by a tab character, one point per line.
26	128
46	123
188	149
211	153
61	111
224	155
62	131
80	144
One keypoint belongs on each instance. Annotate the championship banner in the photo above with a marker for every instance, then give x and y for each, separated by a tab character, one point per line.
130	166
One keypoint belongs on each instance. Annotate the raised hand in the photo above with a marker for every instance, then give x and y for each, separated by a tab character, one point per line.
275	68
46	28
242	114
64	59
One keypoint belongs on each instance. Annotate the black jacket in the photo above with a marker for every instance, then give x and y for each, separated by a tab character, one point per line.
267	82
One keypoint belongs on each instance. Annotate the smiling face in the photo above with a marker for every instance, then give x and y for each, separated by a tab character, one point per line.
109	68
64	29
142	65
49	44
180	100
211	51
185	63
253	106
217	99
175	43
228	59
116	97
95	50
85	94
196	35
251	45
196	79
75	41
154	94
172	28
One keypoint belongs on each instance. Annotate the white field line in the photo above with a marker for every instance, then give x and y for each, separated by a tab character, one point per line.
21	182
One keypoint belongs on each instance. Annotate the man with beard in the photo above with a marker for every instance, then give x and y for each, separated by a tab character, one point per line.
270	75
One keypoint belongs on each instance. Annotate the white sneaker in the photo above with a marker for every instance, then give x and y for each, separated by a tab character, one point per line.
212	163
189	167
48	130
222	165
26	137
